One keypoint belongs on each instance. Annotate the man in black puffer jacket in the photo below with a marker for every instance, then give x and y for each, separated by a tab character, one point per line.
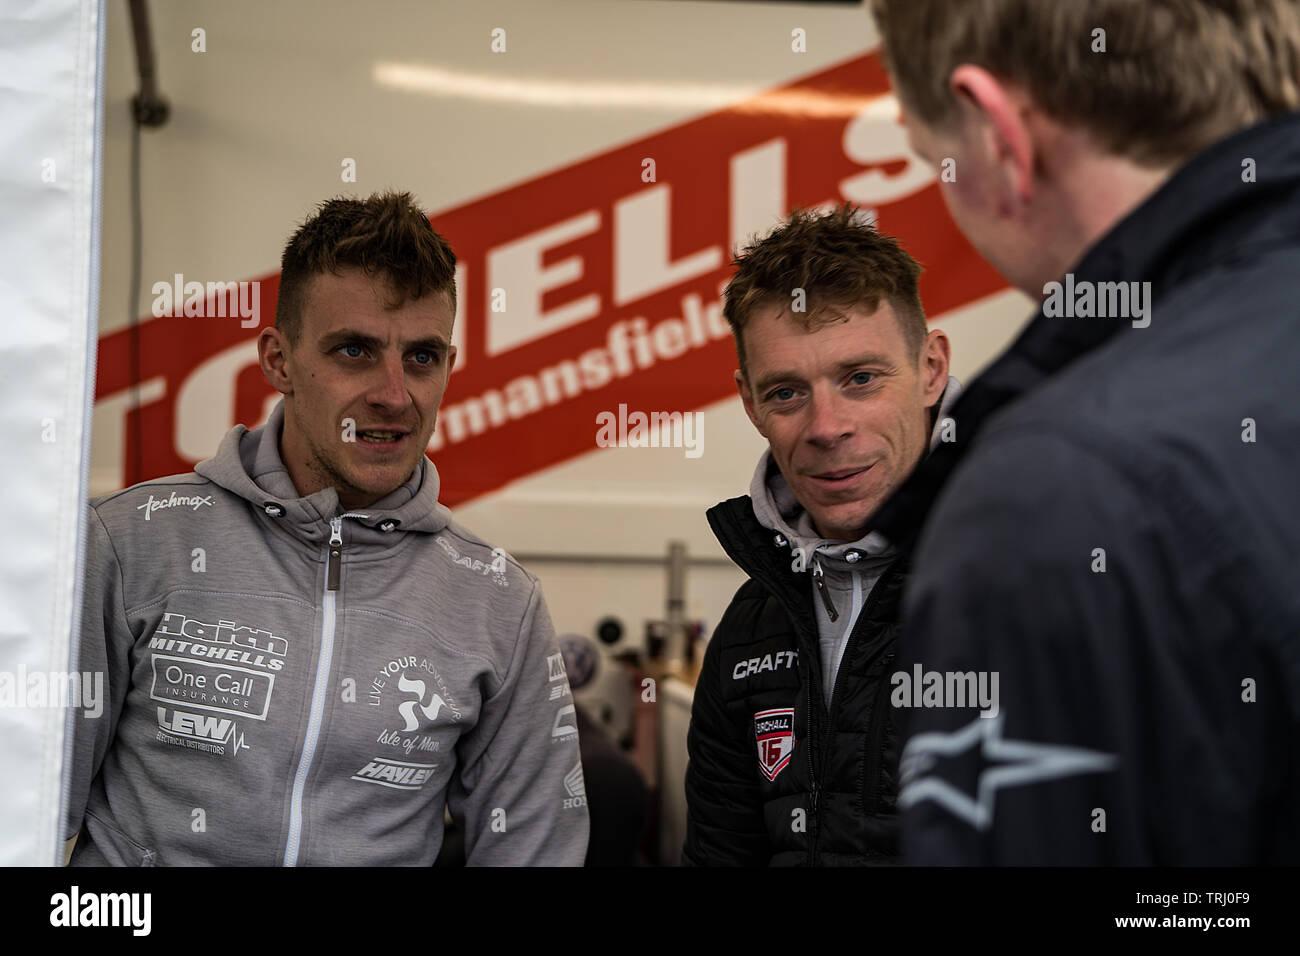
793	751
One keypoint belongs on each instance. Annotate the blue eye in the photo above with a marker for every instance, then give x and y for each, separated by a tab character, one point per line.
862	378
432	360
783	394
348	350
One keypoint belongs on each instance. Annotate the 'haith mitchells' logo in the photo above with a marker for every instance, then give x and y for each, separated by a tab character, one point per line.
774	734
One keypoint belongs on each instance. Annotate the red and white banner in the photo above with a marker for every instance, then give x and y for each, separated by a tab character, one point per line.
592	286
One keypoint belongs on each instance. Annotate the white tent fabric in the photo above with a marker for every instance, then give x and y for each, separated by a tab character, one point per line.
51	62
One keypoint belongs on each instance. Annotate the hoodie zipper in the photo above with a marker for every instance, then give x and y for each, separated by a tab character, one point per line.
333	566
862	612
880	718
728	528
812	774
819	580
824	591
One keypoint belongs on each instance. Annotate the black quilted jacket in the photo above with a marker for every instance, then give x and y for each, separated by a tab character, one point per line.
774	779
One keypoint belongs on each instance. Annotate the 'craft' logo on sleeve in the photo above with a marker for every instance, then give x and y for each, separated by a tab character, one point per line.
496	567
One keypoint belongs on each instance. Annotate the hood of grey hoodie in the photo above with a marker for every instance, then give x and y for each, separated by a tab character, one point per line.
248	464
849	569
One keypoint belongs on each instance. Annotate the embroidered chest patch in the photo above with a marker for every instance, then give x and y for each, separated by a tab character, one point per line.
774	735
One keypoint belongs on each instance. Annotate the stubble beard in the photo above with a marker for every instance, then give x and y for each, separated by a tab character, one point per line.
332	476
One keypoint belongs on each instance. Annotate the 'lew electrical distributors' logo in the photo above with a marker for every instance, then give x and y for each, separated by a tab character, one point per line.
582	289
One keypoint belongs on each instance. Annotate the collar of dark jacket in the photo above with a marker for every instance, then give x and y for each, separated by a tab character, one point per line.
248	464
1206	214
756	552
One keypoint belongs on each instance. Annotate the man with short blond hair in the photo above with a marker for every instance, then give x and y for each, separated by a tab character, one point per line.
1113	533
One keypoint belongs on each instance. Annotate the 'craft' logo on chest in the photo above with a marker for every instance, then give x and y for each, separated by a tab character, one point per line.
768	662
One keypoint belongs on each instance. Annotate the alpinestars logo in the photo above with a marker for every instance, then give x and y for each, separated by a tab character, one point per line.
999	763
774	735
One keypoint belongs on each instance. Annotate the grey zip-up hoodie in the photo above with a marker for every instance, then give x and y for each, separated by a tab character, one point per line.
292	685
842	572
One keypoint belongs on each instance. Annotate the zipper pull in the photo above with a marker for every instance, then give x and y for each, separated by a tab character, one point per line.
814	821
335	560
819	581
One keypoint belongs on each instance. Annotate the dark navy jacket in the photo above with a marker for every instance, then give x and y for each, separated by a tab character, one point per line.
1115	532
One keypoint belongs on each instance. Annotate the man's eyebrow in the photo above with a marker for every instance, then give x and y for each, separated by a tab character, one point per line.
774	378
433	343
867	358
332	339
770	379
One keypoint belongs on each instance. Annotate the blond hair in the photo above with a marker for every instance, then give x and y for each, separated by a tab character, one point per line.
1154	81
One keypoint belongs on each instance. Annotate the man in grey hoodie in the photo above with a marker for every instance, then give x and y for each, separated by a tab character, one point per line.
307	660
793	750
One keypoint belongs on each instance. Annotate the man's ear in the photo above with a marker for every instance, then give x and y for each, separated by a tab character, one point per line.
451	360
272	355
747	399
995	114
936	354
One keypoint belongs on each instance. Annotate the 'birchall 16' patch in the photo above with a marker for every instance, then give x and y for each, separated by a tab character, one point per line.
774	733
